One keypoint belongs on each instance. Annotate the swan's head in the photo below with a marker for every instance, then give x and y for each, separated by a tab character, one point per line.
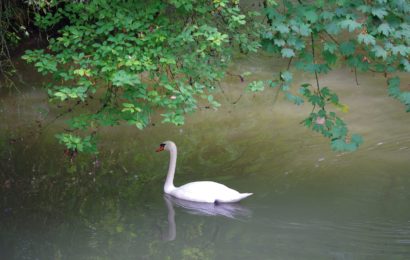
167	145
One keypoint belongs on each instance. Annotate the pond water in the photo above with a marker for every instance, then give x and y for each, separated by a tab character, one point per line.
309	202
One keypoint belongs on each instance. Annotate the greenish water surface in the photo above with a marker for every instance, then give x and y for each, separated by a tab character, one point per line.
308	202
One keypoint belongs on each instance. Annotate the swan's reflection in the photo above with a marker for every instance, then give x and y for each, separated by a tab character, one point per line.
230	210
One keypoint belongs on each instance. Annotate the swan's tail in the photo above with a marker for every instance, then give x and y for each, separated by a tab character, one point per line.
237	198
244	195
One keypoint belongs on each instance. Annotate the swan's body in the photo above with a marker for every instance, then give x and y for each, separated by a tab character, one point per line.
200	191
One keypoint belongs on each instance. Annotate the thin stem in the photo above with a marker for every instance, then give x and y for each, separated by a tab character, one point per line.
332	38
355	76
279	87
236	75
290	61
237	100
314	62
107	99
265	5
69	110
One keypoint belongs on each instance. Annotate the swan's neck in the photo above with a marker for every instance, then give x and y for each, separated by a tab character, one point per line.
169	183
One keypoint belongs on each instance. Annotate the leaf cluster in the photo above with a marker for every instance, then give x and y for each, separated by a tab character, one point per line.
364	35
132	58
327	122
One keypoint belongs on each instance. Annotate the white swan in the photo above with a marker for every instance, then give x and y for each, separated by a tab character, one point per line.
199	191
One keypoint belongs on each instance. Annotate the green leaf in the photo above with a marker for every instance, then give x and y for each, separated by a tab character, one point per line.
401	49
272	83
128	107
76	143
349	24
332	28
325	15
364	9
347	48
279	42
304	90
174	118
329	57
60	95
123	78
285	87
405	99
297	43
406	64
167	60
366	39
384	29
287	53
282	28
394	87
295	99
379	52
256	86
286	76
330	47
311	16
379	12
302	29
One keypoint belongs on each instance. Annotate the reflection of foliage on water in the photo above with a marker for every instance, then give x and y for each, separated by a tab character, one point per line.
195	253
192	243
56	209
54	196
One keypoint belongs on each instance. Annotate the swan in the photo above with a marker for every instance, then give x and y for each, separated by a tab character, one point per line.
199	191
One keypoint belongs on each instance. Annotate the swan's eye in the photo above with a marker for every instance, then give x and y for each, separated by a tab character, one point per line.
162	145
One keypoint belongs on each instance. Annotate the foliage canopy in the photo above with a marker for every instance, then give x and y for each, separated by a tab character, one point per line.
133	58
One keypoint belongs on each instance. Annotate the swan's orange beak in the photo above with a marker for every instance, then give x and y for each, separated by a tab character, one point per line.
160	148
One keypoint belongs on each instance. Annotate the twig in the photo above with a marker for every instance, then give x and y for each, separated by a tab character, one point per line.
236	75
69	110
314	62
279	87
355	76
332	38
107	99
290	61
237	100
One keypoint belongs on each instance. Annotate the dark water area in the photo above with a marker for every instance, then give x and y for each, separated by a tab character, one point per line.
309	202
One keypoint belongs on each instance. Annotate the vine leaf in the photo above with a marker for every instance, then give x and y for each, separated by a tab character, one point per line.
366	39
123	78
384	29
349	24
287	53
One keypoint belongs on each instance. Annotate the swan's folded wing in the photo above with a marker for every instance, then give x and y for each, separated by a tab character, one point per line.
208	191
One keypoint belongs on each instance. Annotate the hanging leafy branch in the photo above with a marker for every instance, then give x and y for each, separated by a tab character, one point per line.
10	35
130	58
16	26
364	35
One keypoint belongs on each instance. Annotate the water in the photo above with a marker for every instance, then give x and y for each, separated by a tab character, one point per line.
308	202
